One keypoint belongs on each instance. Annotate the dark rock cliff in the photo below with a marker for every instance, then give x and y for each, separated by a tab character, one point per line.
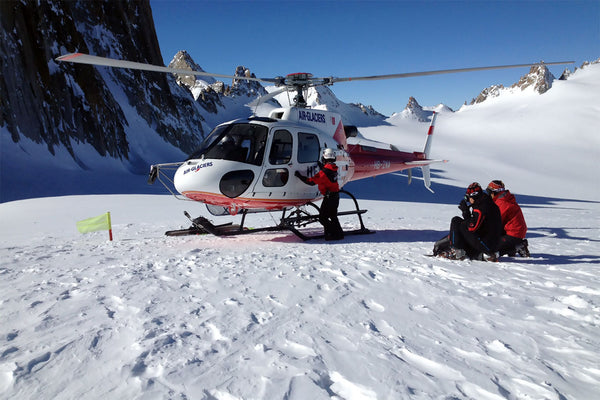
59	104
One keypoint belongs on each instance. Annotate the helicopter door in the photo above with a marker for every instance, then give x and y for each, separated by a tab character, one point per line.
309	151
277	173
288	151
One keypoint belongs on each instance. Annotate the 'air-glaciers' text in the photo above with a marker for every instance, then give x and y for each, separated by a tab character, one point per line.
311	116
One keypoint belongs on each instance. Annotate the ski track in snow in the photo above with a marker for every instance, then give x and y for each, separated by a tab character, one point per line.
267	316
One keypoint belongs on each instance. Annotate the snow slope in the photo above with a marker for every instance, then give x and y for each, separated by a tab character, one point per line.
542	145
266	316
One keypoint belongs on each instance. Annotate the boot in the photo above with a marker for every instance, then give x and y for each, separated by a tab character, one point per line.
522	249
492	257
454	254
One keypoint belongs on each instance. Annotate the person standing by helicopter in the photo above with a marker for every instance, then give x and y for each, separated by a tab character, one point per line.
326	179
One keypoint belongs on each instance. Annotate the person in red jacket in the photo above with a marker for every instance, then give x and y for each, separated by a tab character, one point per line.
326	179
513	241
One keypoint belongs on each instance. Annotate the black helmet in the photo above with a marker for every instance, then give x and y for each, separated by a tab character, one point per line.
474	190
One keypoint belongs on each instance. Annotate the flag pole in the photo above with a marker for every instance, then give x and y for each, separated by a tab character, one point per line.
109	227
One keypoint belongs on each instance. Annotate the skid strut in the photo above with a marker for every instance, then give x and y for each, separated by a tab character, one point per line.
291	220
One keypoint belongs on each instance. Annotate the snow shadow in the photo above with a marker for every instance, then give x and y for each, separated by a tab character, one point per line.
560	233
398	235
557	259
395	187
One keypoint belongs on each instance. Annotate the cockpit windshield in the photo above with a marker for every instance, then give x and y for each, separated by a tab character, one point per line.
235	142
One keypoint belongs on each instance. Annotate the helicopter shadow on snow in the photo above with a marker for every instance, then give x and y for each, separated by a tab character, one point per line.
556	259
394	187
398	235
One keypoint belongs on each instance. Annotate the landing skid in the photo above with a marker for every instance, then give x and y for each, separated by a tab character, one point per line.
290	221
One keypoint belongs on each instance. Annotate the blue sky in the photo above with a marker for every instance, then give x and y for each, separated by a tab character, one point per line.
359	38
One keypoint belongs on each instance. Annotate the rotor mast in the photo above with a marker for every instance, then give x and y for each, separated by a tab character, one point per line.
300	82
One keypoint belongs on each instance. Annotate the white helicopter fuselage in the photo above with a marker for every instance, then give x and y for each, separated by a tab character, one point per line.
250	163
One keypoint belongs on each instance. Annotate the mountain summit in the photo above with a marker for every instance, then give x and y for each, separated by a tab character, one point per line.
182	60
414	110
539	80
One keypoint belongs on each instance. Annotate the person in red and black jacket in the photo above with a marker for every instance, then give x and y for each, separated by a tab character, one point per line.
326	179
515	228
476	235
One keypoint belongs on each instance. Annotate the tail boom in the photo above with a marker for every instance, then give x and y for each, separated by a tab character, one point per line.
371	161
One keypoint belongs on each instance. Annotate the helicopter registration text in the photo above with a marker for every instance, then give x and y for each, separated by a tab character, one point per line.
382	164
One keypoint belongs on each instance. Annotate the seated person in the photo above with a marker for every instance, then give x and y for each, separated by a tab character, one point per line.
513	240
476	235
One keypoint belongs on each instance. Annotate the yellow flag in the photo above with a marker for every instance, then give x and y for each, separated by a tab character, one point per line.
99	223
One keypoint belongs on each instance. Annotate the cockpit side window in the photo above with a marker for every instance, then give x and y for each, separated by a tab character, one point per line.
237	142
281	148
209	141
308	148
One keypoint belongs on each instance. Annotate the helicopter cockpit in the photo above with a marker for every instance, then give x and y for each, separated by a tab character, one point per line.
234	142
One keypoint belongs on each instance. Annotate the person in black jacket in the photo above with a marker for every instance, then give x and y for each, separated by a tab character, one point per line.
477	234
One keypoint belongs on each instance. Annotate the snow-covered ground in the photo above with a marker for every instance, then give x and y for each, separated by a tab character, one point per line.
267	316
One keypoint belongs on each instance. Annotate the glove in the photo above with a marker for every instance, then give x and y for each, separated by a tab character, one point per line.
301	177
465	208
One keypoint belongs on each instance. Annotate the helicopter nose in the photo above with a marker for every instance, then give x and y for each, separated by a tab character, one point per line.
234	183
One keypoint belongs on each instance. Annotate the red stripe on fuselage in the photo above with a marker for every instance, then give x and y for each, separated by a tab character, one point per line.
244	202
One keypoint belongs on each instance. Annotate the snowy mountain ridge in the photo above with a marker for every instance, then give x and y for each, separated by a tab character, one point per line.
539	80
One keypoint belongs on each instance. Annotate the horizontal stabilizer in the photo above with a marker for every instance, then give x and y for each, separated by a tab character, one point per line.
421	163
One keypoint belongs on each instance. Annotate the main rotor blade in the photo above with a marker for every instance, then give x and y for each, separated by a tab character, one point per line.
111	62
443	71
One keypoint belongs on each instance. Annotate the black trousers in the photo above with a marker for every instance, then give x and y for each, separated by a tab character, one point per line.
328	216
507	245
462	238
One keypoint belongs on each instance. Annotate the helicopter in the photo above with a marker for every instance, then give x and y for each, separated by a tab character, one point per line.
248	165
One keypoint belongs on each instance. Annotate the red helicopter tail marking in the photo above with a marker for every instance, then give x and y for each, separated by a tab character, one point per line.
340	136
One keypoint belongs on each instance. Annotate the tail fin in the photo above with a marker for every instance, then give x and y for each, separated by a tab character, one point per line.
425	168
430	135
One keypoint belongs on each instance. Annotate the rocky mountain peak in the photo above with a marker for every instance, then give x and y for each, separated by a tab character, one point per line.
413	104
182	60
488	93
567	72
243	87
368	110
539	78
414	110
